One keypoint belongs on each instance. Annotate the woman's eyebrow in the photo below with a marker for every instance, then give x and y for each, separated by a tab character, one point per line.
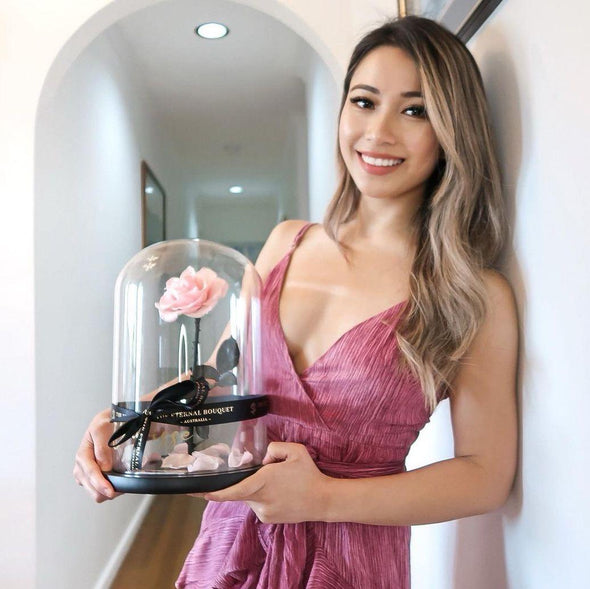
409	94
365	87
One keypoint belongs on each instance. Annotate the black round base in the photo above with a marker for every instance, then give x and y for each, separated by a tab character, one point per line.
164	484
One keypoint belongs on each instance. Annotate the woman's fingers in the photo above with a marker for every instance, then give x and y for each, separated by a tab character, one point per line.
102	451
85	483
279	451
93	457
87	473
240	491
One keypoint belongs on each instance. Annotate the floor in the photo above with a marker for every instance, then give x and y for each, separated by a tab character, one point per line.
166	535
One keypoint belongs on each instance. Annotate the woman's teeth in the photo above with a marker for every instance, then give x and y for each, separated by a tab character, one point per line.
380	162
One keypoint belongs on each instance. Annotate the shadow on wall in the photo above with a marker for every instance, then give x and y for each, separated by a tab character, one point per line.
480	549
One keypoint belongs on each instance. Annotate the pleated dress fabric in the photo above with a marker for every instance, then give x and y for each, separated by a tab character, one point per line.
358	416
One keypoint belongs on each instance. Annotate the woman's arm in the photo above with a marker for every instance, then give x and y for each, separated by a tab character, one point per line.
477	480
483	409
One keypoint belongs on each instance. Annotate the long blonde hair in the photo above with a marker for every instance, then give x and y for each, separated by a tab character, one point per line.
460	225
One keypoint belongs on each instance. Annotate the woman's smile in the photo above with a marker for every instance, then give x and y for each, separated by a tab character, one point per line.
379	164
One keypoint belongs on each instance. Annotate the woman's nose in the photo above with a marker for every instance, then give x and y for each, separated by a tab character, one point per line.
382	128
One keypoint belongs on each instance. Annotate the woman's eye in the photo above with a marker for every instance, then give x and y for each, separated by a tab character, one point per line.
362	102
416	111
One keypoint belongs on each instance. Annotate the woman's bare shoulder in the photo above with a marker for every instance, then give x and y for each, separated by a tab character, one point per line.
501	322
277	245
498	289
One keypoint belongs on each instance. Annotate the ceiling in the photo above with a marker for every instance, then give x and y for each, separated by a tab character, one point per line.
229	103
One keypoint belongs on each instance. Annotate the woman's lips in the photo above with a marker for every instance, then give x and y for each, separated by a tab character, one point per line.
377	170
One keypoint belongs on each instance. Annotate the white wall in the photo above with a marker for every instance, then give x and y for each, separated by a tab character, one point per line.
243	221
534	63
534	60
294	199
322	101
91	138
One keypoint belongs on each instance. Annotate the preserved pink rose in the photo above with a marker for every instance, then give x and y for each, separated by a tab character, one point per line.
193	294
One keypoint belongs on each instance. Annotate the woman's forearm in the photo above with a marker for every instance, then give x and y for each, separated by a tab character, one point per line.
451	489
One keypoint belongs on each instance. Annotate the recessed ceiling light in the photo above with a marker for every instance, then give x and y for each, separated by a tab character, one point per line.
236	190
212	30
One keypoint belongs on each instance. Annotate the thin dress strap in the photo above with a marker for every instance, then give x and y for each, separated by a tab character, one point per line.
299	235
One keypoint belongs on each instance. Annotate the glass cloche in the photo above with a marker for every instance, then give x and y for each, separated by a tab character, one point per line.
187	407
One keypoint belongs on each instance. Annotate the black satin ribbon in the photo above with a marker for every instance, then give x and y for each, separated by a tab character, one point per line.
171	405
182	404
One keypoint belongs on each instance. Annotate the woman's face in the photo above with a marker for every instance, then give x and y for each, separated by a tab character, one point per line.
386	140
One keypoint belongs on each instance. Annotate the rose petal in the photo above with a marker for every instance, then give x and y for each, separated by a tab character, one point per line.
187	273
177	461
172	283
236	459
205	462
168	317
220	450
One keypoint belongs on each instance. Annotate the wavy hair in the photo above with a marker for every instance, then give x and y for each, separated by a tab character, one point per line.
460	224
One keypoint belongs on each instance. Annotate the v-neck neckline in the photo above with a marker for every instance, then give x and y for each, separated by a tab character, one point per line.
283	266
301	375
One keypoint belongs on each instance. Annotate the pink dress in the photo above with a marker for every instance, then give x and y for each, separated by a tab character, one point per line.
358	416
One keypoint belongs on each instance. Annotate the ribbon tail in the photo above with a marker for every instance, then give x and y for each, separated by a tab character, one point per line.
123	433
140	443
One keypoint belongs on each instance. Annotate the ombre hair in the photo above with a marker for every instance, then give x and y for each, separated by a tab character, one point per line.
460	225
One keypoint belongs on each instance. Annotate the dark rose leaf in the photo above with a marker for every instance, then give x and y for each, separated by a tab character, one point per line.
228	355
205	371
228	379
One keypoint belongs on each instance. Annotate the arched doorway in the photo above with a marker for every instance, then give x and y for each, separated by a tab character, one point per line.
86	227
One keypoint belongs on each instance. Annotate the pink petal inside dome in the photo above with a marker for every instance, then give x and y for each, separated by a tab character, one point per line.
238	459
221	450
180	448
205	462
177	461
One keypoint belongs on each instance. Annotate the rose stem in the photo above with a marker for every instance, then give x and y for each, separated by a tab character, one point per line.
196	362
196	359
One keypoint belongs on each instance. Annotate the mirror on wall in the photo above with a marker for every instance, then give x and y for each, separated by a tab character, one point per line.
153	208
463	17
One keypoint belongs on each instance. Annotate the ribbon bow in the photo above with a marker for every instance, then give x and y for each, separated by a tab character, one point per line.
171	405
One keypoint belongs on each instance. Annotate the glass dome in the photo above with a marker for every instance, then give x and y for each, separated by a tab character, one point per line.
187	403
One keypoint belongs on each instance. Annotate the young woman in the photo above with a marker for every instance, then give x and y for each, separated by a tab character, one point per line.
370	320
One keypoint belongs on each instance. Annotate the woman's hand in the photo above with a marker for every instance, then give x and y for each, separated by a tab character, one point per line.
288	489
95	456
